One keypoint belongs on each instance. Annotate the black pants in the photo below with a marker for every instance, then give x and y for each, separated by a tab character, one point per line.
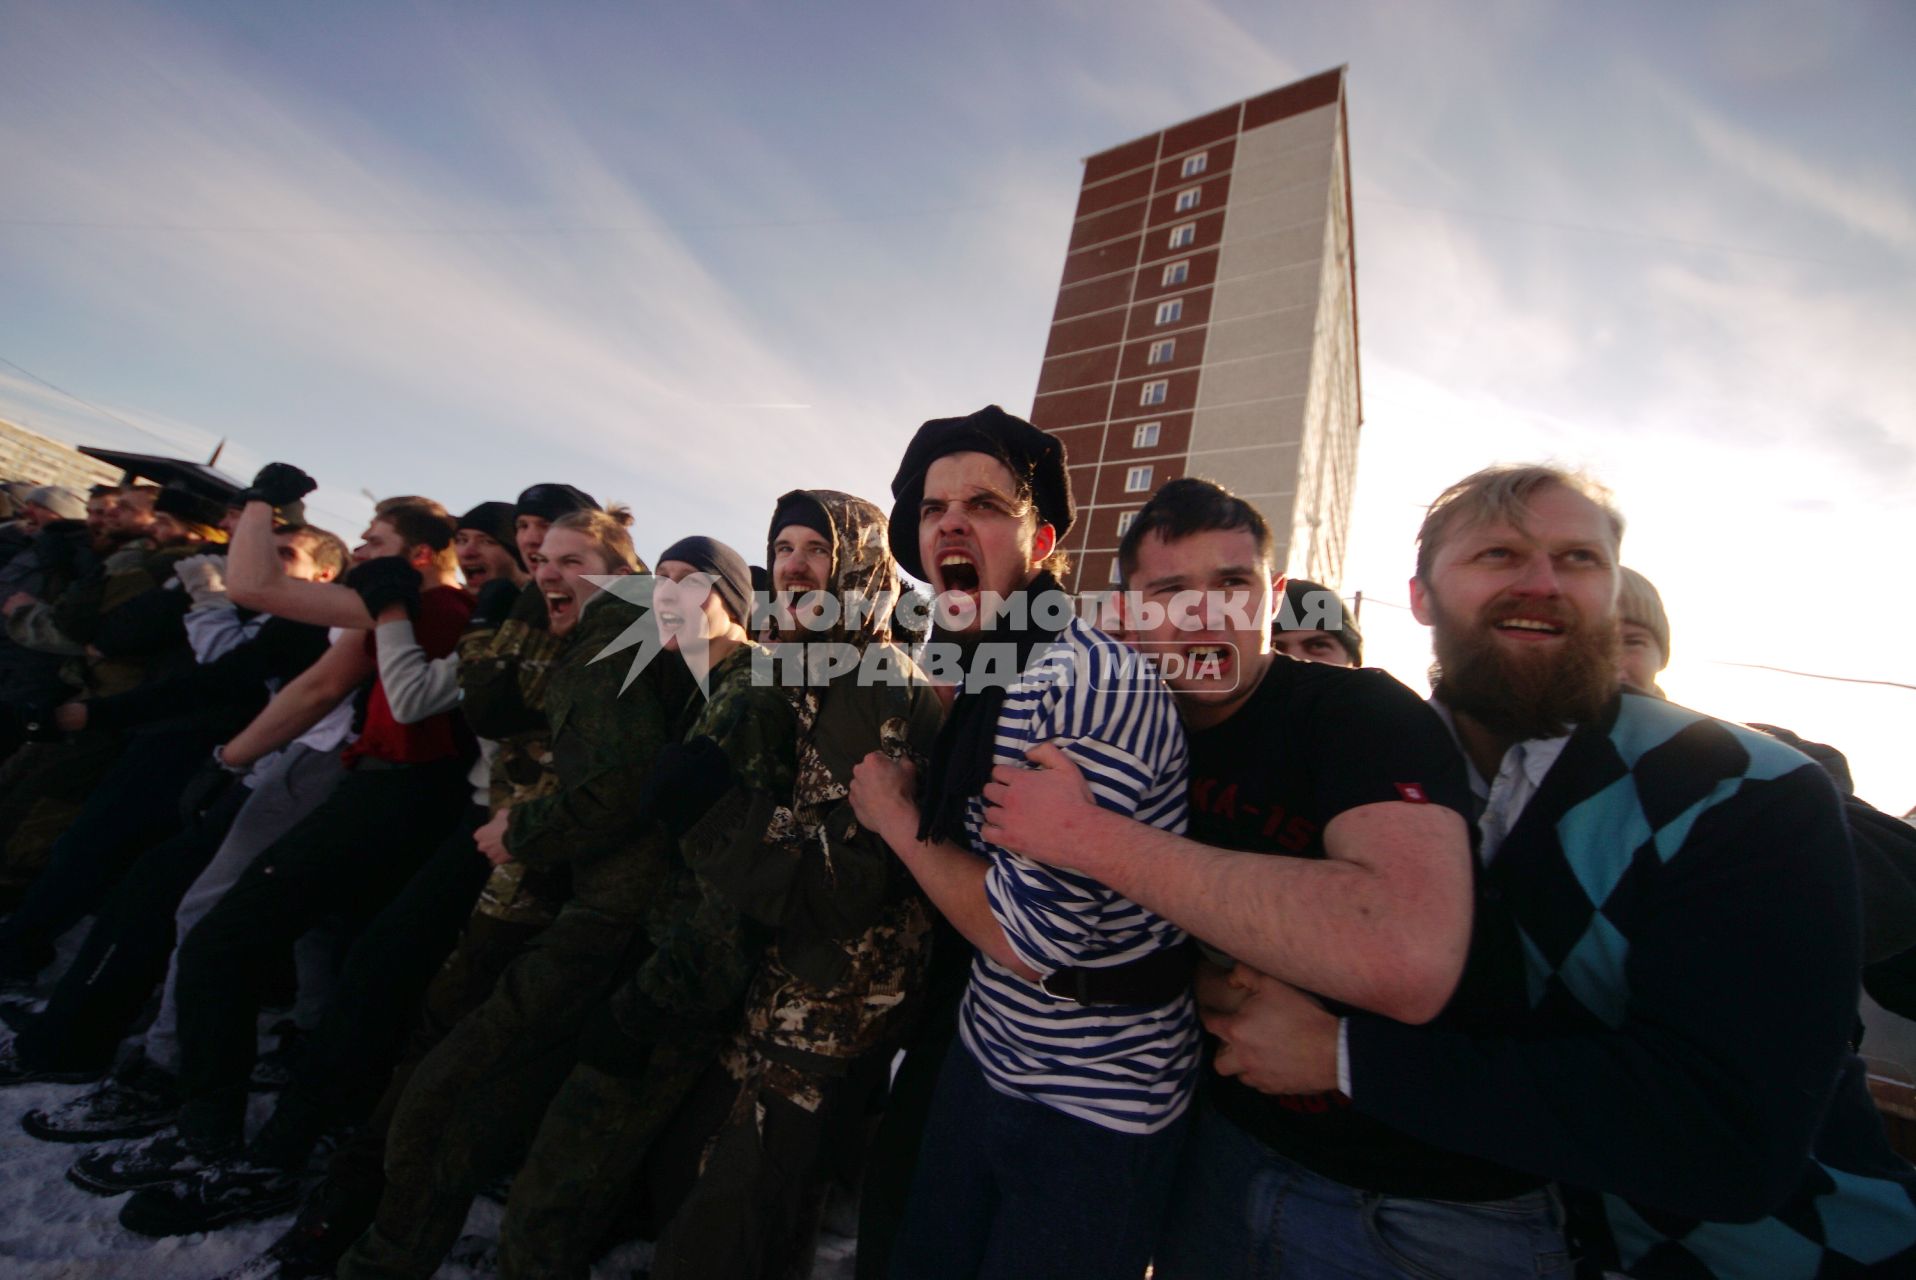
125	953
345	1064
348	857
894	1151
133	808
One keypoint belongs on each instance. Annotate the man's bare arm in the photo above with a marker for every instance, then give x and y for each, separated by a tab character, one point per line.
255	580
302	702
1381	923
954	880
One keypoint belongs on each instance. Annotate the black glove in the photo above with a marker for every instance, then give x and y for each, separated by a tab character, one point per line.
687	779
384	581
493	604
279	483
205	787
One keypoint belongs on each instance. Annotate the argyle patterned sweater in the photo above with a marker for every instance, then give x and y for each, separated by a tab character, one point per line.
1662	981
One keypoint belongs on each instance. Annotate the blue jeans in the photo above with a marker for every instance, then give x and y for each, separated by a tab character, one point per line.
1242	1211
1007	1189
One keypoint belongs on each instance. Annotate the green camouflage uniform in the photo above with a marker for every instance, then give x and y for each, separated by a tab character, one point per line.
503	674
473	1104
669	1021
46	784
843	976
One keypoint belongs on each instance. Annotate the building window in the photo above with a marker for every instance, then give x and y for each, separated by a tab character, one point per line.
1161	352
1145	435
1194	165
1137	480
1187	199
1125	520
1117	570
1169	311
1182	234
1153	392
1176	272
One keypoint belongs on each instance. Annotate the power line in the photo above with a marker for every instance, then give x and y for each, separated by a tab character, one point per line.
80	399
1814	675
617	229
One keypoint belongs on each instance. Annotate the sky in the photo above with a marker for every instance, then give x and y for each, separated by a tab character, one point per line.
690	256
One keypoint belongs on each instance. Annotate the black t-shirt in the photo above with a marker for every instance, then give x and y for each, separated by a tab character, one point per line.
1313	741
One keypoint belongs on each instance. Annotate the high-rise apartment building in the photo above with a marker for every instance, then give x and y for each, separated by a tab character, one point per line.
1207	326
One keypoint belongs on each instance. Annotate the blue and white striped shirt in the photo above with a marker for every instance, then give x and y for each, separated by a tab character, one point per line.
1121	1067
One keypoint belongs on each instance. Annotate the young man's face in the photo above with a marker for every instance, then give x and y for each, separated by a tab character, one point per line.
380	539
167	531
1312	646
1524	619
99	516
976	537
481	558
1211	594
296	559
801	573
1641	658
560	567
685	605
529	532
131	516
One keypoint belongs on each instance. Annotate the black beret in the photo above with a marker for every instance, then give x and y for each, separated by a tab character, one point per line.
1034	457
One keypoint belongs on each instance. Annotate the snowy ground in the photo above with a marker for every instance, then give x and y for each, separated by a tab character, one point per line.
52	1230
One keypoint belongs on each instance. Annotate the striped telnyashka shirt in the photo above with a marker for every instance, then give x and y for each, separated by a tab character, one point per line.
1122	1067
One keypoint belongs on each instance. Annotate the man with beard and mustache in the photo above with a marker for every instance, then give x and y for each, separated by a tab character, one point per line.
1662	978
1328	849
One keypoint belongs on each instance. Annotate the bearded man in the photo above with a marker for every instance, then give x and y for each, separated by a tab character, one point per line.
1662	976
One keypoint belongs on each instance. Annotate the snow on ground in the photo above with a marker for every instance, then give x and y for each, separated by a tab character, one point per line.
52	1230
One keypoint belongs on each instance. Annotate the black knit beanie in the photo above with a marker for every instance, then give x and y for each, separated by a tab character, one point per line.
731	576
495	520
550	501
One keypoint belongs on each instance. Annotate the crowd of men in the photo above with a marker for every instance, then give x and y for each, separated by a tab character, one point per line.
1159	936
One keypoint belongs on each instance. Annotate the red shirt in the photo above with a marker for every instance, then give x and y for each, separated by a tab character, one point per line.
443	613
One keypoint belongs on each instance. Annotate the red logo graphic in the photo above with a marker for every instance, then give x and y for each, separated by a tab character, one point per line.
1412	793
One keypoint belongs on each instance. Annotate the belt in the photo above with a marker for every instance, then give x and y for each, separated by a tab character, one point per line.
1149	980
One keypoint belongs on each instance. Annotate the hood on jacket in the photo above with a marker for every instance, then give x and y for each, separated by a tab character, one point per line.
863	570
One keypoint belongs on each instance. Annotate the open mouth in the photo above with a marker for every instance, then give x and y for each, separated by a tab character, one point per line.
1528	627
1210	659
958	572
475	574
558	603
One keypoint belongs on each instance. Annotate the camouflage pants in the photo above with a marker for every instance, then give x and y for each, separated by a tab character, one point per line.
587	1156
467	979
475	1102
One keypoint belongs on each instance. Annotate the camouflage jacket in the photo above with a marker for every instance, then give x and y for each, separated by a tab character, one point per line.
604	741
502	689
704	949
852	931
126	611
